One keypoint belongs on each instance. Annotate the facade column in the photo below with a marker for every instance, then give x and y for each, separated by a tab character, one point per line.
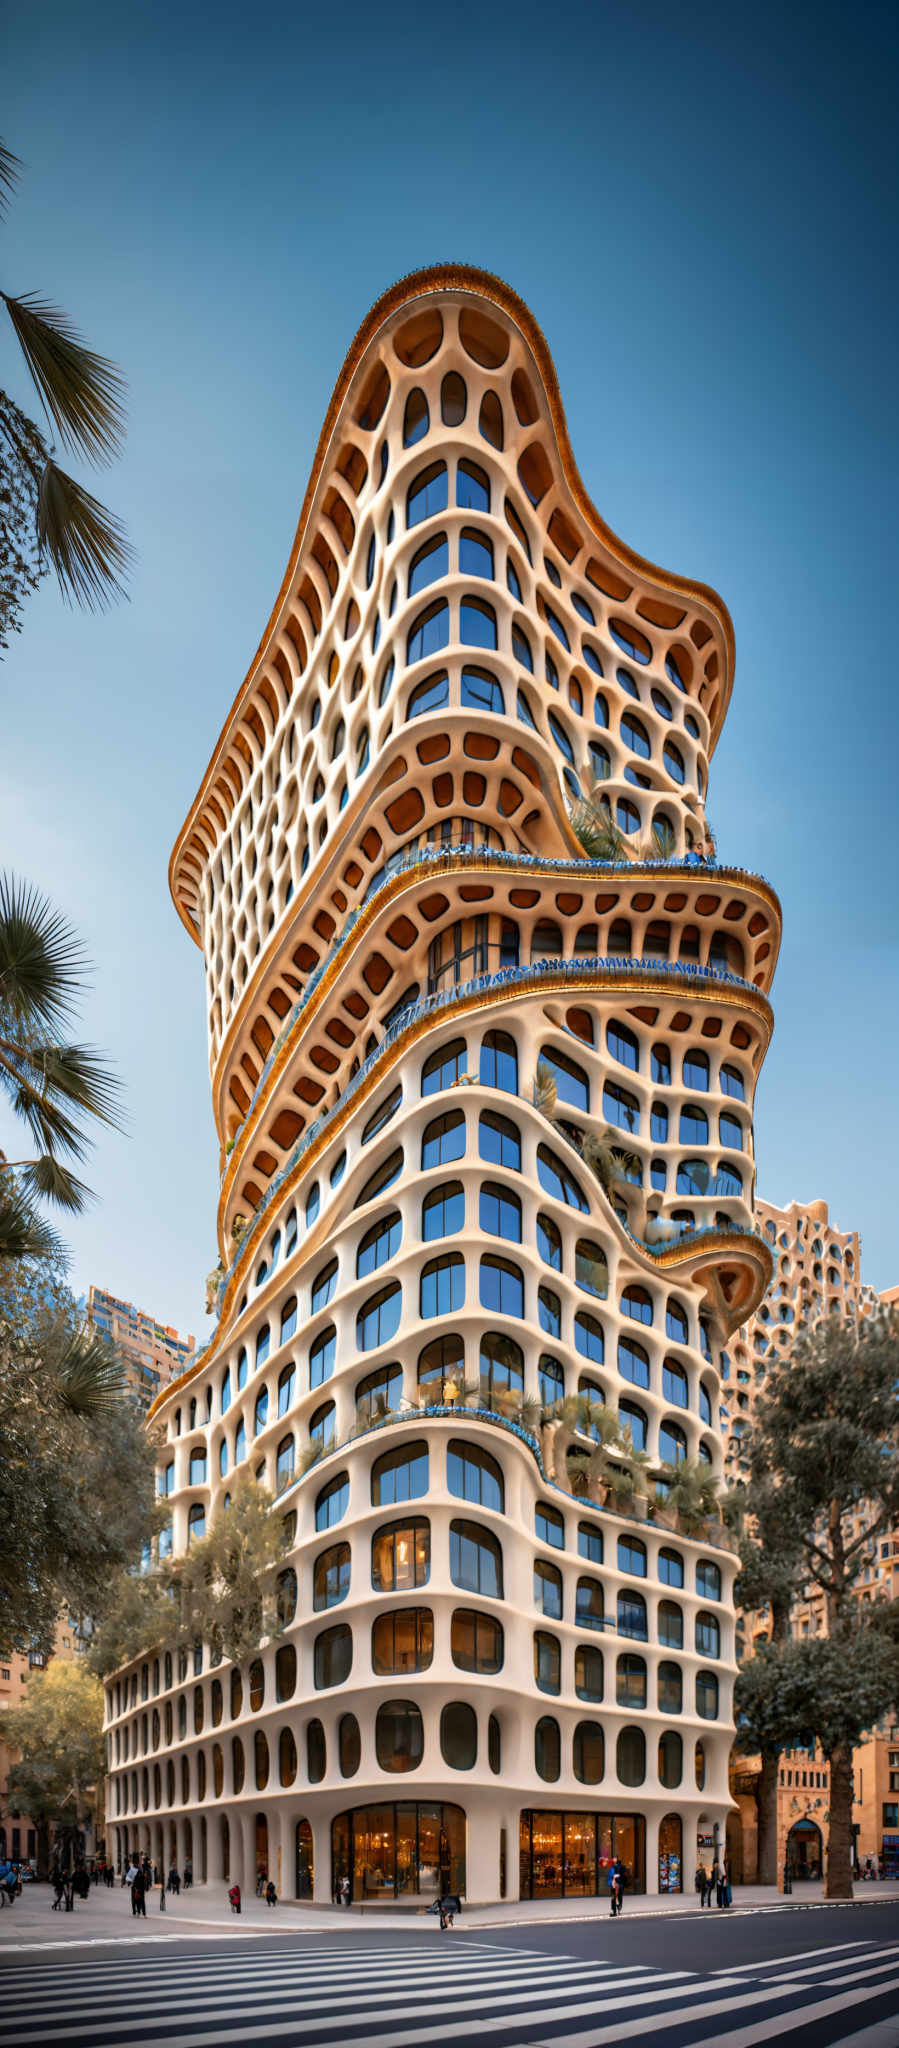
321	1856
214	1857
652	1853
482	1862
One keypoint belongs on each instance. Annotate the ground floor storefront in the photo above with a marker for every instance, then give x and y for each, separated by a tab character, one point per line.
494	1848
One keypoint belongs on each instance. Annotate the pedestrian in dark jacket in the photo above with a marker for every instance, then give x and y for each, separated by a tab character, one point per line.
174	1879
138	1890
271	1896
616	1887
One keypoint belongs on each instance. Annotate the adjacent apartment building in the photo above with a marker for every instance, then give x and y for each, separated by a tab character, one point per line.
154	1351
464	935
817	1272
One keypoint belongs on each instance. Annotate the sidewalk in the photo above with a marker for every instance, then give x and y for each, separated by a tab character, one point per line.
205	1909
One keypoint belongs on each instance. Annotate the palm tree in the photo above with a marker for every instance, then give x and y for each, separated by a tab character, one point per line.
692	1490
594	826
51	1085
50	519
618	1171
545	1095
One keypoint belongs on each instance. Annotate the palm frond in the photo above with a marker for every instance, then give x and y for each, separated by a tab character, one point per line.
92	1375
82	391
545	1092
76	1074
48	1177
84	543
10	166
48	1124
42	963
23	1235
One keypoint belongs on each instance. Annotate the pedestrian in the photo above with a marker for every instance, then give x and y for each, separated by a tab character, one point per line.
345	1890
234	1896
188	1875
59	1886
271	1896
130	1873
699	1879
616	1887
174	1879
261	1881
138	1899
705	1891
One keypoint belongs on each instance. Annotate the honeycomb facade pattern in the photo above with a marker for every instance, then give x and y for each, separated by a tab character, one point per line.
431	1016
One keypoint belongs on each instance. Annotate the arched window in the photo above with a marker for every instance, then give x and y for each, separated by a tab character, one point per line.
547	1749
631	1756
708	1579
500	1211
427	495
674	761
401	1555
316	1752
287	1757
707	1695
225	1402
501	1367
499	1140
260	1759
473	1475
549	1312
331	1577
260	1416
499	1062
453	399
285	1463
196	1523
635	735
550	1379
559	734
442	1359
429	632
287	1386
379	1318
731	1083
620	1107
547	1589
672	1442
670	1688
694	1126
285	1672
399	1736
332	1502
198	1465
546	940
699	1766
377	1394
263	1344
547	1662
472	488
430	695
476	1560
428	564
674	1384
670	1619
324	1286
636	1302
443	1139
633	1362
459	1736
572	1084
402	1641
480	691
588	1337
589	1607
444	1067
237	1767
442	1285
671	1759
476	1641
416	418
708	1635
349	1745
401	1474
332	1656
501	1287
379	1244
321	1425
696	1069
630	1681
322	1356
386	1108
632	1616
477	623
555	1179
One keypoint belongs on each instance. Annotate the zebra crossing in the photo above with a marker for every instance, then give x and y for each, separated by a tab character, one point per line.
392	1996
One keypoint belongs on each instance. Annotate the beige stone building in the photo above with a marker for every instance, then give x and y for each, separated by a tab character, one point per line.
156	1354
817	1272
430	1008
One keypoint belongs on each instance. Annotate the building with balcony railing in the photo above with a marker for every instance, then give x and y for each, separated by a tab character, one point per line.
486	1019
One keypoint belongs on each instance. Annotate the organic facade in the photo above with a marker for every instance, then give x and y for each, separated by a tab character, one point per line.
487	1166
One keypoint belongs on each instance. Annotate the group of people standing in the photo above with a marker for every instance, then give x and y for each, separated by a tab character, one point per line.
714	1884
141	1876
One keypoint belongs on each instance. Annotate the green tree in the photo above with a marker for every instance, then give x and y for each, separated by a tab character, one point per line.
771	1568
47	519
54	1087
76	1466
57	1737
224	1590
827	1435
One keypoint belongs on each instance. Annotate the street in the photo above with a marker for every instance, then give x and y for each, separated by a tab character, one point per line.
810	1975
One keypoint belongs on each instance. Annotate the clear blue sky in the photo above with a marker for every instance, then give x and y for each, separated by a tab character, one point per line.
699	204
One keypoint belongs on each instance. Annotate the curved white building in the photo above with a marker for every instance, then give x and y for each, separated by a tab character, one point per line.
500	1671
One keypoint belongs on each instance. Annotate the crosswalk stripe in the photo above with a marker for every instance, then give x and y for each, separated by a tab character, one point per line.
773	2029
743	2037
800	1956
559	1979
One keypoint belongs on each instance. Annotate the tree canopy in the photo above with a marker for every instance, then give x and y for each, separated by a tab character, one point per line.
58	1737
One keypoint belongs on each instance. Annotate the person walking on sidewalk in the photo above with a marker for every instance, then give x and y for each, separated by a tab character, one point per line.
616	1887
706	1888
138	1894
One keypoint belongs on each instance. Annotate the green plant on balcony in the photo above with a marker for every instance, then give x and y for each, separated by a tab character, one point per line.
691	1490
